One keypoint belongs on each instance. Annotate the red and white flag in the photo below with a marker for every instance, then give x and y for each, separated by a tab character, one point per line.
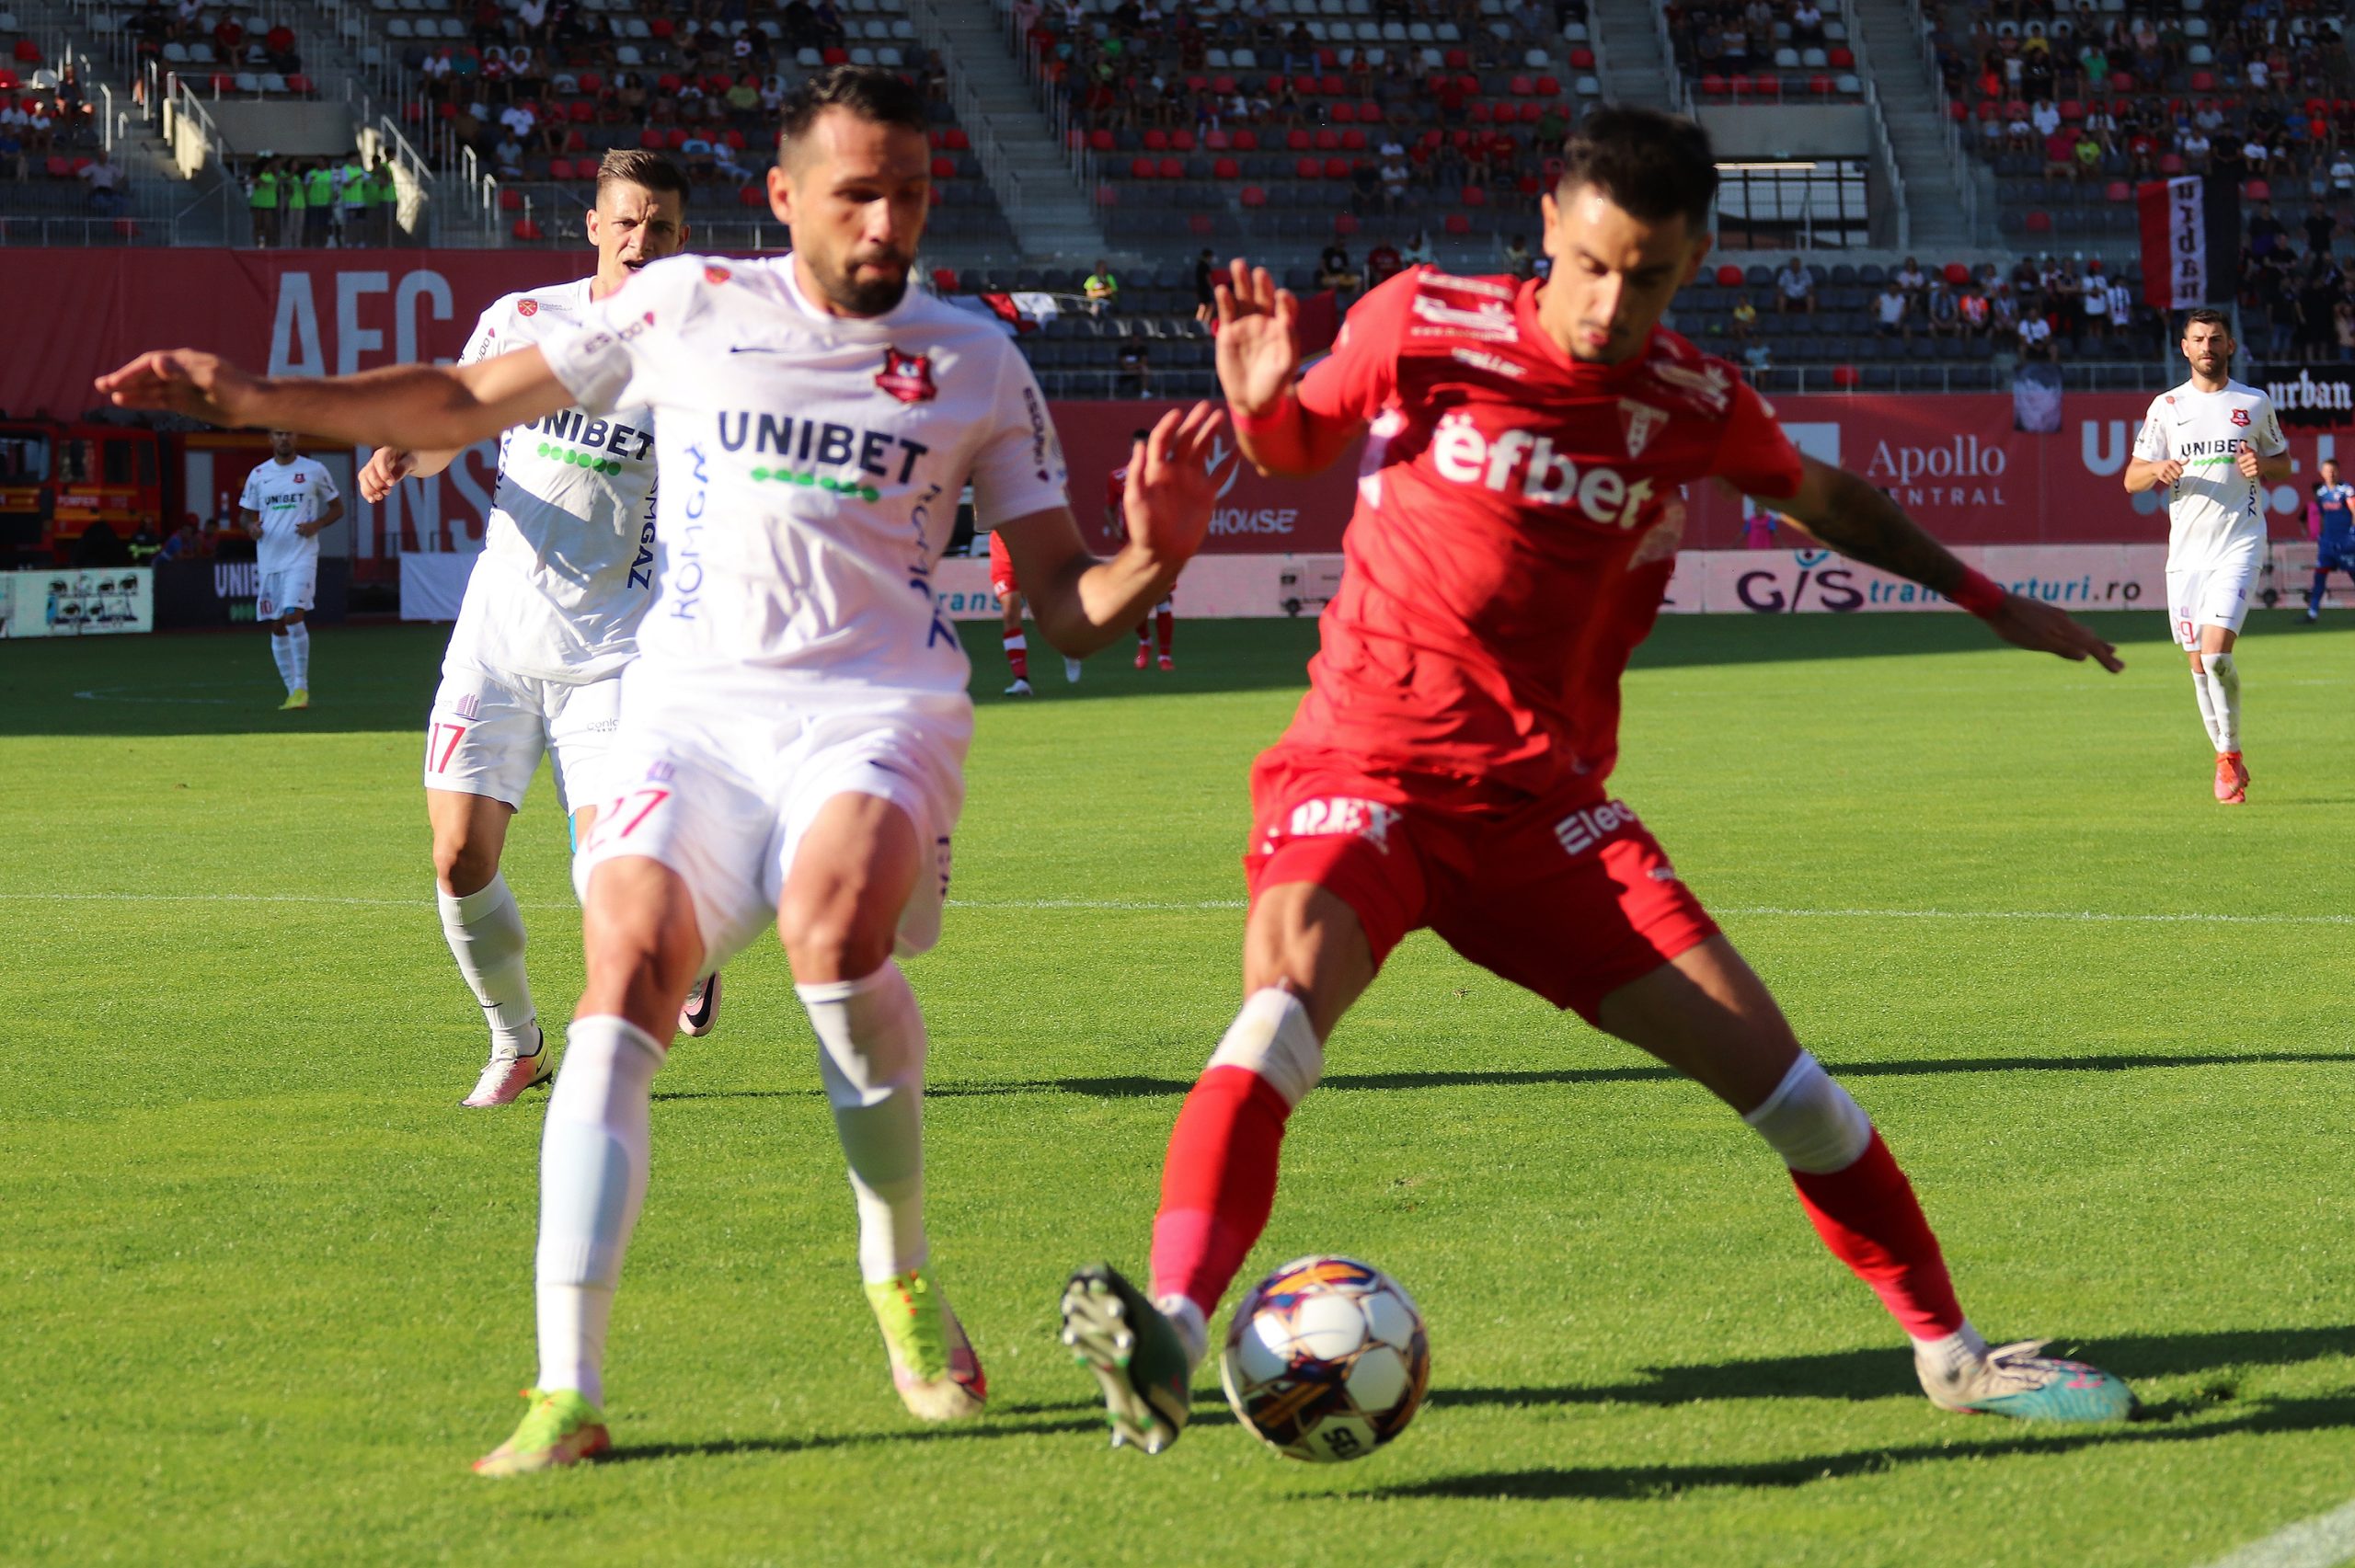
2191	241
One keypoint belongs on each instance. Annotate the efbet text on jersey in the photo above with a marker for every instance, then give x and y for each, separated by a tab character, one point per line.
1548	477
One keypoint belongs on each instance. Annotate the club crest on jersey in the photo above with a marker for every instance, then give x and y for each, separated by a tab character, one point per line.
529	307
907	377
2240	416
716	275
1639	420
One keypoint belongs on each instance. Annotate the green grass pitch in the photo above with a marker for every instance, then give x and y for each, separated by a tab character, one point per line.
266	1289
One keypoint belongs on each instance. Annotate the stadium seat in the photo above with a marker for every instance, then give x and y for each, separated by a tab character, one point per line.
527	231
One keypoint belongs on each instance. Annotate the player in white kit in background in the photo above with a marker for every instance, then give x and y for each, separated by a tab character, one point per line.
798	711
288	502
550	618
2213	444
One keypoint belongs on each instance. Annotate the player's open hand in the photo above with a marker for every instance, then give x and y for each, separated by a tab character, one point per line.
182	380
1259	347
385	468
2246	460
1170	492
2045	628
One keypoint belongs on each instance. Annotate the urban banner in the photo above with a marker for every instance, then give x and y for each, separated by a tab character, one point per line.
1955	461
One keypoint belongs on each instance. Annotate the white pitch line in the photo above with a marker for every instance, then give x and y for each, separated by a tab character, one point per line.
1762	911
2324	1542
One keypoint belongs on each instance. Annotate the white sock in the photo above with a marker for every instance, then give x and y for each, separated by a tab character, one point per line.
1187	1319
593	1159
282	656
298	649
2207	706
2224	691
870	1057
1954	1352
486	932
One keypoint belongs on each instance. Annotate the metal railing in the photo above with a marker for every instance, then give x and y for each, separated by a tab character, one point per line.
188	127
1680	97
972	117
1966	171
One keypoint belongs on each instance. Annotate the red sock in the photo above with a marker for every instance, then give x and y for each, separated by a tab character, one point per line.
1018	655
1165	626
1217	1184
1867	1214
1144	634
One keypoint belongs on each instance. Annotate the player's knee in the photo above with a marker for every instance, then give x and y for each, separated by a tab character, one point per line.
462	864
1812	1122
831	935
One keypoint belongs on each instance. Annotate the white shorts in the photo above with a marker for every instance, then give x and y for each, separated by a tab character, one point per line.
723	798
485	732
2212	595
296	589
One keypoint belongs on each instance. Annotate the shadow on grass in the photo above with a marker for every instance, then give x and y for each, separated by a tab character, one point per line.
1081	1417
1875	1374
1130	1087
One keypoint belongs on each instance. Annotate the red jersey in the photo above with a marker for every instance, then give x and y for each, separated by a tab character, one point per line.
1517	521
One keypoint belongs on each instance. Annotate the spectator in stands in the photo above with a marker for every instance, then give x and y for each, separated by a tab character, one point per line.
2122	313
1795	289
2342	317
318	204
1806	24
186	15
1102	288
2322	230
1382	263
39	131
1135	376
182	545
354	204
1911	280
508	157
1745	319
1334	271
1517	257
1940	310
2286	316
2318	298
2086	155
2268	236
2092	304
2342	178
1972	312
1892	312
228	35
102	174
1397	175
13	162
1417	251
2035	336
385	201
1758	355
2046	117
1206	277
532	14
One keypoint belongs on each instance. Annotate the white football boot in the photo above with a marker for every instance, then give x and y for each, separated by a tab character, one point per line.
507	1075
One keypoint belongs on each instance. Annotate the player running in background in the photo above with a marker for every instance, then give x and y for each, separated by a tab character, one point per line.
1008	588
288	502
1517	522
550	618
797	714
2330	524
1165	614
2213	444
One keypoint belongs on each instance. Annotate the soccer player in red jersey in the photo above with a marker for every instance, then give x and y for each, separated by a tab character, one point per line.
1009	595
1516	524
1165	614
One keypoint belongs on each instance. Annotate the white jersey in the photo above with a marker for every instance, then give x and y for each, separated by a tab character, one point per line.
285	496
568	551
2213	513
812	468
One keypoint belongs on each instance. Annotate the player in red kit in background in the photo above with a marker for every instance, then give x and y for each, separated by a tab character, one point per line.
1165	614
1517	520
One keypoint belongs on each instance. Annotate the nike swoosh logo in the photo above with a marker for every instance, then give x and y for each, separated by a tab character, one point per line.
743	348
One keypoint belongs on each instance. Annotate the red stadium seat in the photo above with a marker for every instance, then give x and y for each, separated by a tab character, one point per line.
526	230
561	168
1474	196
756	195
1173	168
590	82
677	138
511	199
60	169
2039	222
1457	59
1531	113
1841	59
1200	225
1549	86
1140	169
663	28
1957	110
1337	168
1331	87
1458	225
1729	276
580	109
1345	224
1156	140
1329	140
1100	141
1222	85
1521	86
300	85
1304	85
1713	86
1957	274
2171	164
1298	141
668	83
2257	191
1822	87
1308	168
1353	141
1478	114
650	140
1582	59
8	80
834	56
944	168
1227	168
1344	113
1217	141
28	52
1246	141
2117	190
944	279
1845	376
1254	197
1181	141
576	142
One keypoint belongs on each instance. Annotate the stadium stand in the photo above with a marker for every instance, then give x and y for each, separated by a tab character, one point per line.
1733	52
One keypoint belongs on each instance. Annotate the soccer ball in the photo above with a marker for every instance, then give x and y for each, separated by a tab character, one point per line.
1326	1360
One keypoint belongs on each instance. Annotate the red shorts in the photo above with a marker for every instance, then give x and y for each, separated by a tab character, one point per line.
1002	581
1568	897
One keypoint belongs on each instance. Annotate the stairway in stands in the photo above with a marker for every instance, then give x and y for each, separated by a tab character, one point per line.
1636	71
1890	34
1049	213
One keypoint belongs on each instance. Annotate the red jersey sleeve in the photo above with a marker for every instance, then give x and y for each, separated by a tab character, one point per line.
1354	381
1755	457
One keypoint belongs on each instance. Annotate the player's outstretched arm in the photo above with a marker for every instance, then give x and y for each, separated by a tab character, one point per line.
1861	522
418	407
1258	357
1081	602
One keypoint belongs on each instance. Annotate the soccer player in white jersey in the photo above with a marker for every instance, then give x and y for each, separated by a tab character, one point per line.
2213	444
798	710
550	618
288	502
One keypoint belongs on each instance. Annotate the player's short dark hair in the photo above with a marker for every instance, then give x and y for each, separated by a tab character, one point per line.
1655	165
635	165
2209	315
868	91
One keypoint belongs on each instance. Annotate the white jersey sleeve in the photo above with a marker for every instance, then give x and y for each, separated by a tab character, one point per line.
2265	426
609	347
2151	441
250	498
1019	469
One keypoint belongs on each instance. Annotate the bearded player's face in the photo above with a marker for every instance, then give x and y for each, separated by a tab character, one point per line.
856	194
1614	273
